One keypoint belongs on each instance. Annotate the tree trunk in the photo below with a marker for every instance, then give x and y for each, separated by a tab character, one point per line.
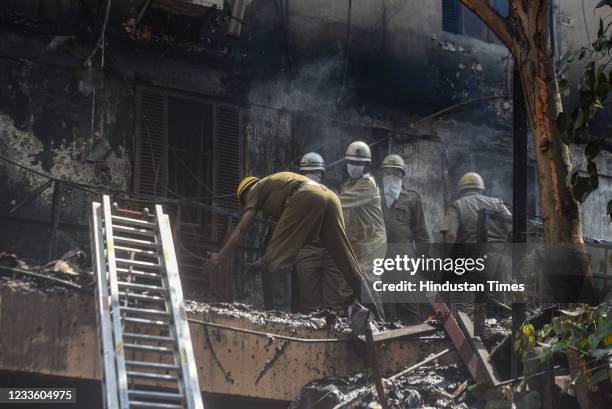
526	33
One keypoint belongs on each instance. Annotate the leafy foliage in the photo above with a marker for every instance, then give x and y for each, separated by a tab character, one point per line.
587	330
594	91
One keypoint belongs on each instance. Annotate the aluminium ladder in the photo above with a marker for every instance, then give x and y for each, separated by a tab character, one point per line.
146	352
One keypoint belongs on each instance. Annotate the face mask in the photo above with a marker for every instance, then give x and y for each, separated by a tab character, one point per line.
355	171
314	176
392	185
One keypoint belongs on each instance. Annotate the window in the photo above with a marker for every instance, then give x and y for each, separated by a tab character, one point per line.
451	16
457	19
188	147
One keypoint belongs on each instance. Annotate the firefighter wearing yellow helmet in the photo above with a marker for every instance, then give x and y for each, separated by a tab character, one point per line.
460	231
303	211
319	281
360	200
460	224
406	229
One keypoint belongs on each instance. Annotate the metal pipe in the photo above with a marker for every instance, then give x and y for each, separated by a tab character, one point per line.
235	24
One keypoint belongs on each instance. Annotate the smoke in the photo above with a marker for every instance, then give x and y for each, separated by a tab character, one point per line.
313	88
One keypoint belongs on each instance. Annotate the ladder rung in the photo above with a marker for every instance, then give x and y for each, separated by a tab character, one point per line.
138	273
145	311
150	375
133	230
155	395
150	244
134	222
138	263
141	286
140	404
143	297
153	348
145	321
155	365
147	337
135	250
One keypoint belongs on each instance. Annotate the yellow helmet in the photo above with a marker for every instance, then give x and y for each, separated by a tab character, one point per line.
246	183
394	161
471	180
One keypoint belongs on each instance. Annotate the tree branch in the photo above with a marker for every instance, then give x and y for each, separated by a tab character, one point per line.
492	19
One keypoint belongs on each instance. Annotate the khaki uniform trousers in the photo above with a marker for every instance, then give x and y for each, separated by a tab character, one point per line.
312	214
320	282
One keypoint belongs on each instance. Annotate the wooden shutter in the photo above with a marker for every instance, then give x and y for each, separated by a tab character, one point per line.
451	16
228	161
151	156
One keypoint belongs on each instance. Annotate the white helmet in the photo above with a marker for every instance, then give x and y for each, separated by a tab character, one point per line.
312	161
359	152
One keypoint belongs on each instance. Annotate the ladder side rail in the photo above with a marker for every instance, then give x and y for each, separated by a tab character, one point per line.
105	329
186	362
122	382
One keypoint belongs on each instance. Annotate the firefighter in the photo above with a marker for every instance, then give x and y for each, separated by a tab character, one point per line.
360	200
460	224
405	224
320	283
460	231
304	211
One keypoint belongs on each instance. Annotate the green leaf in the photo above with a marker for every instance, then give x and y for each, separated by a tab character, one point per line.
579	378
600	376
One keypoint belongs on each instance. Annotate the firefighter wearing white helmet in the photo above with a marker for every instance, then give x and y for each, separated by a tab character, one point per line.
312	165
363	216
406	230
319	281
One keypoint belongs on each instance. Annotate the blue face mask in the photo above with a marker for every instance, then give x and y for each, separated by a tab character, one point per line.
355	171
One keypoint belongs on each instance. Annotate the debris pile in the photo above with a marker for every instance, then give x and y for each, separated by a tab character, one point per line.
64	274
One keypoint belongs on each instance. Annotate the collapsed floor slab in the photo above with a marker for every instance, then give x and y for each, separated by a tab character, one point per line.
55	333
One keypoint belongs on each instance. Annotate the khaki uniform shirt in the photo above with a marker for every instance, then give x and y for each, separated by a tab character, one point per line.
405	223
365	226
270	194
462	218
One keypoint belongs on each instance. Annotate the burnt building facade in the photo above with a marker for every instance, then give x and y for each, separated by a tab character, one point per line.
151	101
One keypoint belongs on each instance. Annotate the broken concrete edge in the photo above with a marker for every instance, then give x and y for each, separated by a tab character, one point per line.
54	332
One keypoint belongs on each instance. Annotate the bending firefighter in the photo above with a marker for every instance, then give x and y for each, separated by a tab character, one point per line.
320	282
305	212
360	200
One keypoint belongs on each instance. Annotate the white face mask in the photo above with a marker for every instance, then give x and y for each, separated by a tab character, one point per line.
355	171
392	185
314	176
